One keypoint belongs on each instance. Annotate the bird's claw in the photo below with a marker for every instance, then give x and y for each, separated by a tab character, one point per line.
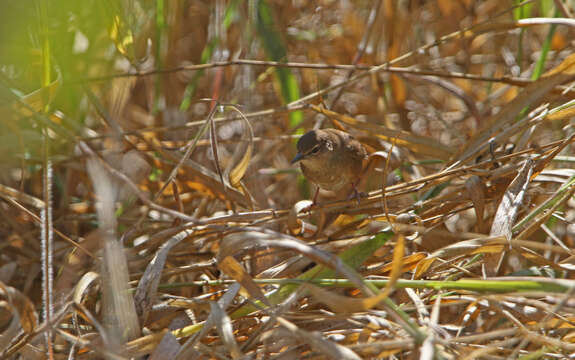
357	195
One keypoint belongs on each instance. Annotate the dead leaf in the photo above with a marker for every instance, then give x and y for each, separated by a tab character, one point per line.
511	201
23	315
506	214
234	269
145	295
236	173
476	190
317	342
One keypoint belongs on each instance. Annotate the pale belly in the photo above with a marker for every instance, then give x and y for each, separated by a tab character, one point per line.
333	176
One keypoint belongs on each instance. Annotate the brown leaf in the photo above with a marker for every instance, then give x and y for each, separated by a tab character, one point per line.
511	201
235	270
506	214
487	244
408	263
238	171
317	342
145	295
476	190
24	317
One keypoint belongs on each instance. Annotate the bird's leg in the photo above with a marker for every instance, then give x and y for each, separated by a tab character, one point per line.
315	196
314	203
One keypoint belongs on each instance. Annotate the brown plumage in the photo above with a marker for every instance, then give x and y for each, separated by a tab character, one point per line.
330	158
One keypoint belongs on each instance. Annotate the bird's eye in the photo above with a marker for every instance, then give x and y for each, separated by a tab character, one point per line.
315	150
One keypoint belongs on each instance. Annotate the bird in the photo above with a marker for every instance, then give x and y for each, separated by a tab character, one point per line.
330	158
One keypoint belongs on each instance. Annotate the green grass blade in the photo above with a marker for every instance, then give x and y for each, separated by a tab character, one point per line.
276	50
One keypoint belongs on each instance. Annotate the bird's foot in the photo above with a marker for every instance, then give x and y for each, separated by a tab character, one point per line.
355	194
309	208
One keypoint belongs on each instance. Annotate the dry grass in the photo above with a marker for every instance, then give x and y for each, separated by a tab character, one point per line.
148	205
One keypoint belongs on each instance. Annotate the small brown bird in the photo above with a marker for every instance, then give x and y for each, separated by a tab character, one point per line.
330	158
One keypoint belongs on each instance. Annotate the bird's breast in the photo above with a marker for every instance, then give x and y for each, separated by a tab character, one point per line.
333	173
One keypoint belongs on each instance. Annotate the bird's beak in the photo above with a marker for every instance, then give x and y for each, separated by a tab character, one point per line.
297	158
